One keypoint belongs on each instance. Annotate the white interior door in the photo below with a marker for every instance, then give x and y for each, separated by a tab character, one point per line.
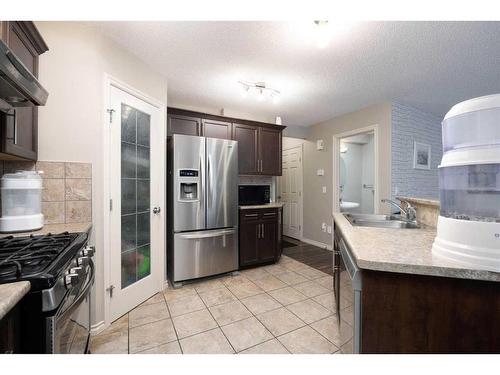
137	177
291	192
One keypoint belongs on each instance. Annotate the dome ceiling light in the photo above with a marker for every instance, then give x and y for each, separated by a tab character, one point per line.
322	33
260	90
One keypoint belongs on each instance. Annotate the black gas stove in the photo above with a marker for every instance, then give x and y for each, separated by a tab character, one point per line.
55	314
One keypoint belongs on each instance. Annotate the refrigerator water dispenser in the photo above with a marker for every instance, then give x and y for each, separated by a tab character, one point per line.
189	182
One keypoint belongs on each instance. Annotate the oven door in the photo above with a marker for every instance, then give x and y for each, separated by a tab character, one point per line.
69	329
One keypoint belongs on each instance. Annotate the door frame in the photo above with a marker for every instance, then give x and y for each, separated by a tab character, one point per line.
108	82
336	163
301	185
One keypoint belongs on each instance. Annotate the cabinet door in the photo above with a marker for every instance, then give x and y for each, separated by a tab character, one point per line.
216	129
184	125
249	231
268	242
246	135
270	151
19	128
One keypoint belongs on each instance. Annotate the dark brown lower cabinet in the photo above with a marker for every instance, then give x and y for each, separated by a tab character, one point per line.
405	313
10	329
260	236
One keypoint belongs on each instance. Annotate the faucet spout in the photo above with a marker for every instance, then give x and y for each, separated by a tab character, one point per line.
409	213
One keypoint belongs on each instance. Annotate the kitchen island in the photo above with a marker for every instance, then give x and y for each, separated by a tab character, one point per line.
414	302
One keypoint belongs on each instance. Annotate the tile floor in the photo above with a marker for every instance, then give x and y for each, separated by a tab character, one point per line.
282	308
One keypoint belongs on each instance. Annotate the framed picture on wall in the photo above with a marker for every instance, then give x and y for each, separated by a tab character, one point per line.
421	156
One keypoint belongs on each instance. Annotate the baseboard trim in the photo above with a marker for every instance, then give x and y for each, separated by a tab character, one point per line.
317	243
97	328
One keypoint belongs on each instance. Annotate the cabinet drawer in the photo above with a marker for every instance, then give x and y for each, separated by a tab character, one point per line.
259	214
249	215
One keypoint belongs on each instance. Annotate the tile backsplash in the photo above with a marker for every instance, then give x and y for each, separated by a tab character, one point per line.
67	189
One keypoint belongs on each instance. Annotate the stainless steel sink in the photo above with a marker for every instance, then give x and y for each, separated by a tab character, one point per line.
380	221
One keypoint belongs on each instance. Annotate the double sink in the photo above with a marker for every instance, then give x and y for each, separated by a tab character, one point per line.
380	221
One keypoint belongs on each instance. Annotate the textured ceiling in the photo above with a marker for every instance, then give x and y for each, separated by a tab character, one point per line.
429	65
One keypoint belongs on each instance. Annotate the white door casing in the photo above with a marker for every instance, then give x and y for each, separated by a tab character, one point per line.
291	192
136	252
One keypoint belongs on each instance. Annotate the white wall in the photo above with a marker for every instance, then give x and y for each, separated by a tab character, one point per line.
70	125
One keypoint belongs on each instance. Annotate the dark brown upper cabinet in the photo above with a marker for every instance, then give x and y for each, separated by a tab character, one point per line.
259	144
270	150
216	129
19	129
247	137
178	124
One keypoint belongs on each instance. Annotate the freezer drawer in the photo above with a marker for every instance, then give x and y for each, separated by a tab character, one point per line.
205	253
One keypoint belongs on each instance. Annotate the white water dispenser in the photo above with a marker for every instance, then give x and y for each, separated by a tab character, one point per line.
468	229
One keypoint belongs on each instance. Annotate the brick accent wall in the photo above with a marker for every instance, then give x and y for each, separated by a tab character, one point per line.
409	125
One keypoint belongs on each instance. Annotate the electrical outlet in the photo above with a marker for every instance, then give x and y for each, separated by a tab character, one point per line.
324	189
323	227
329	229
320	172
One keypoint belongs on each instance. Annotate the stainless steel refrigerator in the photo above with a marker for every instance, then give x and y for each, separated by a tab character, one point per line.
202	226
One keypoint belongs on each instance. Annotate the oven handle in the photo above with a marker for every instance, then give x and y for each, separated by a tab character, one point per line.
83	292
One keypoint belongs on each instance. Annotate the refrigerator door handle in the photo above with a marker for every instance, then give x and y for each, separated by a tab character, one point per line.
209	182
195	236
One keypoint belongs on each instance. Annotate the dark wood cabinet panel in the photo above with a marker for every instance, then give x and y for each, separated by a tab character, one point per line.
270	151
247	137
216	129
10	332
260	236
178	124
19	134
404	313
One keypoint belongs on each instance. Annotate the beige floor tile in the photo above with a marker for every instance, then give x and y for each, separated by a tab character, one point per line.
170	348
246	333
310	289
280	321
185	305
193	323
325	282
234	280
295	266
287	296
217	296
111	343
326	300
309	311
255	273
260	303
148	314
275	269
204	286
311	273
118	325
245	289
306	341
269	347
347	315
230	312
270	282
150	335
330	329
157	298
172	294
210	342
291	278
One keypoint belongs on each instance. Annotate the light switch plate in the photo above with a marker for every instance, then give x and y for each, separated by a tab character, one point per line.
320	172
329	229
320	145
324	189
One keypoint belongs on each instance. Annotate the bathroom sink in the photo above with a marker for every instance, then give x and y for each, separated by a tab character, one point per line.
380	221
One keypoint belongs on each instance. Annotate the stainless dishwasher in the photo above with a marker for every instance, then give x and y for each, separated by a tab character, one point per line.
347	288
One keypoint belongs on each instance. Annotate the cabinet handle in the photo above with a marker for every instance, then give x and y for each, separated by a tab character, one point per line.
263	235
258	231
250	215
270	214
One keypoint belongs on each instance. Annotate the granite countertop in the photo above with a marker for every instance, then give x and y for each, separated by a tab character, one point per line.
403	251
53	228
421	201
11	294
267	205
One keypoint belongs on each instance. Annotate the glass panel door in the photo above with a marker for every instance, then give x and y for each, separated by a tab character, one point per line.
135	195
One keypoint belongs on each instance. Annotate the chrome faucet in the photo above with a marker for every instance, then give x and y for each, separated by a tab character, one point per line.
410	214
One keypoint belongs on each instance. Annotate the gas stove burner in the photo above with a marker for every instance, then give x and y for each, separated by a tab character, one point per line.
23	257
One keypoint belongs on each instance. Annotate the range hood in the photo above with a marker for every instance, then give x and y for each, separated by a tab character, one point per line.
18	87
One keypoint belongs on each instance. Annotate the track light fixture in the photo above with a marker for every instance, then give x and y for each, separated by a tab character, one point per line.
261	91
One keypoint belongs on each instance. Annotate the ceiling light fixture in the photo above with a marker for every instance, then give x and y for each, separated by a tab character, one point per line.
322	33
261	90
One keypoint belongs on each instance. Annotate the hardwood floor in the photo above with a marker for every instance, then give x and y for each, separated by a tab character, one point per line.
313	256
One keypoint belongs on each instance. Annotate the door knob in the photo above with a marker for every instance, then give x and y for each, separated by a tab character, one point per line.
156	210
